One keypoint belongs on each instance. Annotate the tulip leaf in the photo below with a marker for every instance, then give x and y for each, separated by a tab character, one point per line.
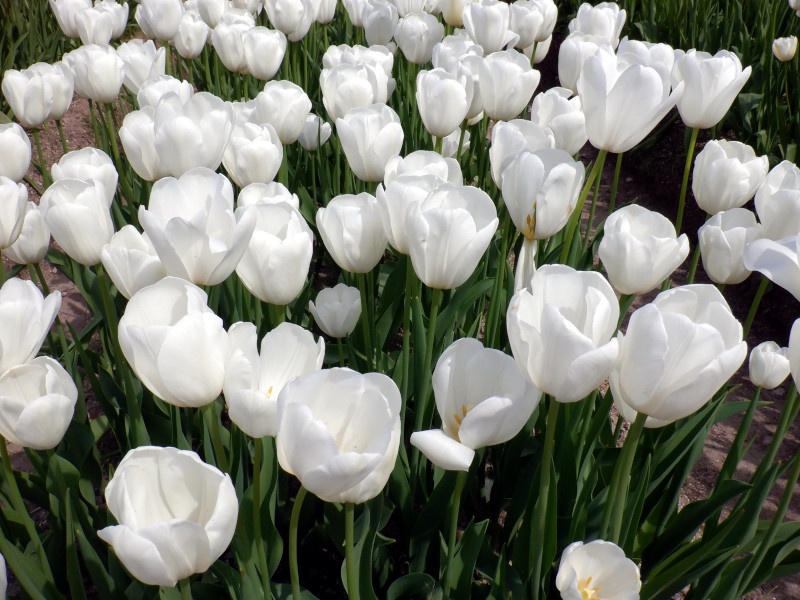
414	586
429	521
467	550
283	591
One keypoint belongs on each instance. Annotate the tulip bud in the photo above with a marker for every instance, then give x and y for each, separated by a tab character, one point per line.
285	106
13	198
159	19
88	164
510	137
723	239
563	117
337	310
15	150
59	77
784	48
605	20
65	11
192	35
769	365
532	20
29	96
95	25
351	229
507	83
369	137
292	17
380	19
137	135
487	23
726	175
315	133
253	154
347	86
228	42
131	261
416	35
119	15
397	198
572	54
34	238
264	50
98	72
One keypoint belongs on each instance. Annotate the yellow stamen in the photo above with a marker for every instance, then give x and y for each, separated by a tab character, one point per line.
588	593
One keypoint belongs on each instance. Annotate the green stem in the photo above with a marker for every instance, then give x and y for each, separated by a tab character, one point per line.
62	136
437	144
262	556
762	288
790	408
294	519
97	140
731	462
34	185
461	479
495	305
410	283
366	329
42	167
213	424
540	517
693	266
685	183
576	213
186	589
617	169
349	552
592	208
341	351
436	302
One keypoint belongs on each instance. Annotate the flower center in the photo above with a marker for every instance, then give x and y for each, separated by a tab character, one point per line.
459	418
588	593
530	226
268	393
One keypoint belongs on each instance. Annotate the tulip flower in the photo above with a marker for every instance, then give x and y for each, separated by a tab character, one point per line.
95	25
406	7
339	433
191	223
228	42
65	11
563	117
15	151
794	351
605	20
199	508
560	333
768	365
661	57
572	54
540	190
59	76
192	35
337	310
264	50
598	567
143	62
448	232
482	400
37	401
119	15
315	133
532	20
292	17
448	53
253	154
162	325
152	90
511	137
399	197
351	228
416	35
13	199
211	11
326	10
778	201
347	86
89	165
723	239
353	55
726	175
711	85
267	193
506	83
159	19
77	214
784	48
137	135
274	267
285	106
639	249
131	261
253	381
355	8
487	23
622	106
442	100
98	72
380	19
25	319
777	260
369	137
423	162
450	144
34	238
676	353
29	96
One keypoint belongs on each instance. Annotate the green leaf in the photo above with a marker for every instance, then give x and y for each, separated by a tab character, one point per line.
414	586
467	550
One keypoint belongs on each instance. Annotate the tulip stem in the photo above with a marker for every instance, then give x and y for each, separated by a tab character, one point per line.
538	534
422	401
613	514
762	288
341	352
293	520
575	219
788	414
46	179
685	183
366	321
94	125
186	589
213	424
349	552
410	283
617	169
34	185
592	208
262	556
461	479
730	464
62	136
437	144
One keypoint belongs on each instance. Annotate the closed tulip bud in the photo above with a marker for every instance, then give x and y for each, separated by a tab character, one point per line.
453	11
292	17
604	20
406	7
510	137
285	106
267	193
795	5
768	365
315	133
15	151
29	96
563	117
339	433
98	72
370	136
162	325
26	320
778	201
34	238
95	25
253	154
711	85
159	19
228	42
416	35
622	104
236	15
777	260
347	86
37	401
325	11
451	51
532	20
355	8
423	162
59	77
88	164
585	569
137	135
211	11
574	311
448	233
482	400
442	100
487	23
450	144
200	510
153	90
380	18
131	261
784	48
77	214
351	229
676	353
192	225
395	199
639	249
13	198
274	267
254	380
726	175
65	11
119	15
507	83
253	7
352	55
540	190
192	35
264	50
572	55
337	310
661	57
723	239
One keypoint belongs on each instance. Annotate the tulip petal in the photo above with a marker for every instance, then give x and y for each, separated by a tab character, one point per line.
443	451
139	555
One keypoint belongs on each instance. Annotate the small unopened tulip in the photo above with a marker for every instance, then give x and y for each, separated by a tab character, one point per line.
369	137
347	86
34	238
131	261
95	25
784	48
442	100
285	106
380	19
192	35
15	151
29	96
59	76
605	20
253	154
768	365
264	50
351	228
315	133
487	23
416	35
586	569
723	239
726	175
507	83
228	42
336	310
159	19
292	17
